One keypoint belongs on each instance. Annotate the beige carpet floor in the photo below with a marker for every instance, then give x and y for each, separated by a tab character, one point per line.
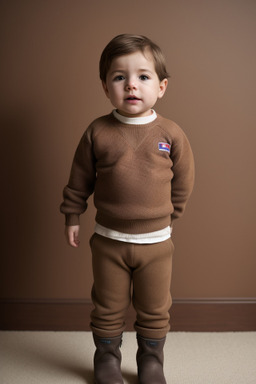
66	357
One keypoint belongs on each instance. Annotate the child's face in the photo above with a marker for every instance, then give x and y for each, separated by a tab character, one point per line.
132	84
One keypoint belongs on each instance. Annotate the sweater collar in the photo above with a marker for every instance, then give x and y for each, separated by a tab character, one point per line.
135	120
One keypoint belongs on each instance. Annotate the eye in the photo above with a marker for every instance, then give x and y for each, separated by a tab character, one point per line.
119	78
144	77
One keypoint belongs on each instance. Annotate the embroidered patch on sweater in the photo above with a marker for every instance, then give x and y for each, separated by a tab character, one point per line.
164	147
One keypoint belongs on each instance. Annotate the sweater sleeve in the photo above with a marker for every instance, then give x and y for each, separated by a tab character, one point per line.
184	174
81	182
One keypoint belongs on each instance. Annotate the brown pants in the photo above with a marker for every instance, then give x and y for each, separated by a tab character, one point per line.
124	272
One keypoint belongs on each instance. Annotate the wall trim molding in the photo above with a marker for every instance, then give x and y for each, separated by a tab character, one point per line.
216	300
187	314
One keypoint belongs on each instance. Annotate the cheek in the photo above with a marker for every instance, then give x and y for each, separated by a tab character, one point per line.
115	92
154	94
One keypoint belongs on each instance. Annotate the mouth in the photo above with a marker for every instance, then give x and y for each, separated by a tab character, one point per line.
132	98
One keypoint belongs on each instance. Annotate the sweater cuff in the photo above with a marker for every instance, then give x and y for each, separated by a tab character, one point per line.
72	219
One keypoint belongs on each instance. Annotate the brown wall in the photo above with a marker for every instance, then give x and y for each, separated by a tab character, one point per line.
50	92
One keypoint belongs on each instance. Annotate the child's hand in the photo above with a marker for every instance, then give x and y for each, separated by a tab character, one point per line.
71	233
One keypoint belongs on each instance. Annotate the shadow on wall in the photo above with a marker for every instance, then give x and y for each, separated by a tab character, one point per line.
19	193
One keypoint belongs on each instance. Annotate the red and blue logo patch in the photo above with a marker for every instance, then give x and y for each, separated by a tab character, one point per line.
164	147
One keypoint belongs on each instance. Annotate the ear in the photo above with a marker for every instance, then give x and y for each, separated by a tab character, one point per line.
104	85
162	88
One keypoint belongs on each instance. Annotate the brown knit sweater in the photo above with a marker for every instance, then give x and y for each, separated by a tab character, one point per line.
140	184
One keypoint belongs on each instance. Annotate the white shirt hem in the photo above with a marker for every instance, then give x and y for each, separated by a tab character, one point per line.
142	238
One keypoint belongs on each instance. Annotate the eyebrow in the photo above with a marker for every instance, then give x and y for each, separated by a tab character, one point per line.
123	71
117	71
145	70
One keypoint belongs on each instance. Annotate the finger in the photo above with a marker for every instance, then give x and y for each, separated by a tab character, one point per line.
70	237
73	239
76	239
76	236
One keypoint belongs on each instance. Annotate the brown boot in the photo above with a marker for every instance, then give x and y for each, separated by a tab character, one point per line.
107	360
150	359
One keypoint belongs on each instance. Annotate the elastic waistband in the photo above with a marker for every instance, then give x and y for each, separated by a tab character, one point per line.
133	226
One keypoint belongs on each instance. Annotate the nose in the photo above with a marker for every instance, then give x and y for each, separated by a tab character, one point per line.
130	85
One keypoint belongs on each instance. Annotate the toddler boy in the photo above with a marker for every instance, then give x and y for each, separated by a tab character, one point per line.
140	167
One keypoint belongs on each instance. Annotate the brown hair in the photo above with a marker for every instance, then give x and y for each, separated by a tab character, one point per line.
127	43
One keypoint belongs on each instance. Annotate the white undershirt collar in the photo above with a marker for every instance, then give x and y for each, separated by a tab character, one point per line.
135	120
